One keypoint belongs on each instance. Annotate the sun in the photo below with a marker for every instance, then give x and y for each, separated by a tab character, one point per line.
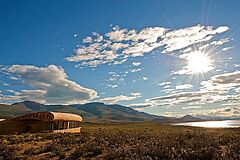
199	62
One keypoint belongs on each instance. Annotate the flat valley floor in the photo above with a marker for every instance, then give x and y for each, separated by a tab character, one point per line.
147	140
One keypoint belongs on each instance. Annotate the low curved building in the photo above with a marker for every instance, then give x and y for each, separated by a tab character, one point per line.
48	122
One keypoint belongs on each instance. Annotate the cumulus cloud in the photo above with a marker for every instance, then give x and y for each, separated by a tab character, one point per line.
49	85
122	43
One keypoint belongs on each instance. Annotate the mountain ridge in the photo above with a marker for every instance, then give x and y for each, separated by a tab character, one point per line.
93	111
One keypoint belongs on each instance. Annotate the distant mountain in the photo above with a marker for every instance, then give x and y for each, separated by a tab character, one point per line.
216	117
94	111
33	106
7	111
187	118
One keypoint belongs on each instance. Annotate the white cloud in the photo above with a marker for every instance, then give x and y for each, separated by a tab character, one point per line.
221	29
136	94
182	38
219	42
133	70
9	98
192	107
87	40
187	98
222	83
237	90
184	86
119	61
4	84
168	90
226	78
231	111
144	78
219	89
136	64
115	79
236	65
139	109
121	43
10	91
49	85
140	105
112	85
167	86
164	83
116	99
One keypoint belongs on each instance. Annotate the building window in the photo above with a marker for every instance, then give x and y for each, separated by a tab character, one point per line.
58	125
74	124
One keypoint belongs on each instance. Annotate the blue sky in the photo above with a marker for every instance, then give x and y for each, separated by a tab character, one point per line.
165	57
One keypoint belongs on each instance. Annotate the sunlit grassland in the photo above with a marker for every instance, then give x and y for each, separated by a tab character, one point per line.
125	141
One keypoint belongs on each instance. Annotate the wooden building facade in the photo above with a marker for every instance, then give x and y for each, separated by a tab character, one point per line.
48	122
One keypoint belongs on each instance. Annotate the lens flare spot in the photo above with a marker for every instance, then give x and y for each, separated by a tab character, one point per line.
199	62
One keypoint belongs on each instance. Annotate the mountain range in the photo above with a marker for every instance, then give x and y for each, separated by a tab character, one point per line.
91	112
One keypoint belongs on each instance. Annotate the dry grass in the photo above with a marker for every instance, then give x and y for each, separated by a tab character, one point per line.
126	141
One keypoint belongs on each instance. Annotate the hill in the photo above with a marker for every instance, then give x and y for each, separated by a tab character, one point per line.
7	111
94	111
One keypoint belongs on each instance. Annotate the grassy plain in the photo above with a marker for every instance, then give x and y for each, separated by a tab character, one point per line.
125	141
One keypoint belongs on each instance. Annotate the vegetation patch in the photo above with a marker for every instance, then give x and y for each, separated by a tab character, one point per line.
125	141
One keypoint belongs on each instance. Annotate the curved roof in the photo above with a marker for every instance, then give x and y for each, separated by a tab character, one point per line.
50	116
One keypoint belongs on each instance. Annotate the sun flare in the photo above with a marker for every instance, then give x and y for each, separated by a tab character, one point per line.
199	62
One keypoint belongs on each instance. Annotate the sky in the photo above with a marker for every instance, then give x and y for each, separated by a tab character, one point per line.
163	57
